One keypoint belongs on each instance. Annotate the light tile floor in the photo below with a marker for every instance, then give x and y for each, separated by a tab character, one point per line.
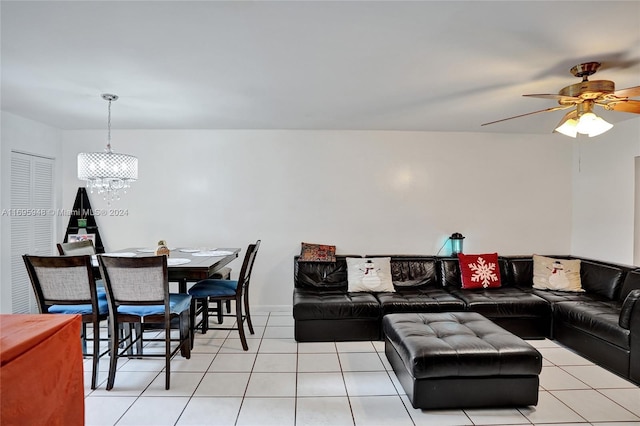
281	382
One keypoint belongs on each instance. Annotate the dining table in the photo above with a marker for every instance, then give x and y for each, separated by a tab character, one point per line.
186	264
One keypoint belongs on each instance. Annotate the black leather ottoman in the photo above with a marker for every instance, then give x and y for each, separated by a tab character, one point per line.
460	360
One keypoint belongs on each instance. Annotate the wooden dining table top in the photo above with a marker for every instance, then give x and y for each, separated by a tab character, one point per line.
198	268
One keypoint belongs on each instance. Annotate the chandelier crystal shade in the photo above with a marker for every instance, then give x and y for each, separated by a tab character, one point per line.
108	172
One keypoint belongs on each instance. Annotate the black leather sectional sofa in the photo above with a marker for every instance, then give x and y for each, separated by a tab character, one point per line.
602	324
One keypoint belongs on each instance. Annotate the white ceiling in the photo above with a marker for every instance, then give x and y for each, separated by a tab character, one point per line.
358	65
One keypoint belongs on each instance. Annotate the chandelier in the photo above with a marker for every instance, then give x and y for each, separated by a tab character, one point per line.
108	172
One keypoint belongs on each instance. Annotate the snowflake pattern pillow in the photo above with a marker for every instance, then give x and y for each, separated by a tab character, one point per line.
479	270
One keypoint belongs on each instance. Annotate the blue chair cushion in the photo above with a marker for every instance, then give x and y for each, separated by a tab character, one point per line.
213	288
103	307
178	303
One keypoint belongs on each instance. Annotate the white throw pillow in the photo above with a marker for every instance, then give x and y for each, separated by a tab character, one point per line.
556	274
369	274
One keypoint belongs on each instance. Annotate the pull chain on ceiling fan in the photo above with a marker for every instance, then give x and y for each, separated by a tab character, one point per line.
583	97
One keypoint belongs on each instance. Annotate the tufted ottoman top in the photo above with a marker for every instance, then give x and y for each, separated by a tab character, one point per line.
458	344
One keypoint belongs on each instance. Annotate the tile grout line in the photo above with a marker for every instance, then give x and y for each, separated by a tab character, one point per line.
380	355
561	367
394	386
596	389
344	383
199	382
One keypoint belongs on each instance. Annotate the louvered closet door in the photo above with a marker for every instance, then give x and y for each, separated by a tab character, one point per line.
32	222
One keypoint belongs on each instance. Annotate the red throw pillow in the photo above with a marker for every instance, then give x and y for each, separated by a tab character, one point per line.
479	270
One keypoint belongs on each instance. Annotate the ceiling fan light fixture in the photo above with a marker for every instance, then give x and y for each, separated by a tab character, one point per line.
569	128
598	126
585	122
583	97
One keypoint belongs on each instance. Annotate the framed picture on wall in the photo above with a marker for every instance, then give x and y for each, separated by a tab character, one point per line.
73	238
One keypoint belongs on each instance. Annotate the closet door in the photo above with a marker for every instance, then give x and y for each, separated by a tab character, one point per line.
32	222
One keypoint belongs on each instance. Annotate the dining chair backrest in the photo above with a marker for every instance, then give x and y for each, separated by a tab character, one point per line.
76	248
247	266
66	285
62	280
135	280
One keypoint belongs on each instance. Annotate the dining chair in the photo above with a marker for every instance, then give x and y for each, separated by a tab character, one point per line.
66	285
138	293
215	290
76	248
223	273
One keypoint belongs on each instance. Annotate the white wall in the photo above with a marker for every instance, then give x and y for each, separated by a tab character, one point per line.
366	192
21	134
604	194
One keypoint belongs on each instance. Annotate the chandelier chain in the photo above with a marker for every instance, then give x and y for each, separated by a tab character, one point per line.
109	129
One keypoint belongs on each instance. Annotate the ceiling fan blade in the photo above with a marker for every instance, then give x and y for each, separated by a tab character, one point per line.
553	96
626	106
530	113
630	92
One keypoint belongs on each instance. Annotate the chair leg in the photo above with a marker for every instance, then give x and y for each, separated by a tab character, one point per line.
219	311
185	335
243	338
125	328
114	342
228	306
205	314
247	312
139	333
167	355
84	338
192	321
96	354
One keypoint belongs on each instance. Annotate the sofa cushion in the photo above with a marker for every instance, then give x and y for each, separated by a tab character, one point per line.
317	253
605	280
449	270
429	299
555	296
413	272
631	282
479	270
321	275
371	274
520	271
556	274
503	302
328	304
598	318
628	305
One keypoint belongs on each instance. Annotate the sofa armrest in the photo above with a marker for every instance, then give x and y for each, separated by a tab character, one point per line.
633	304
632	299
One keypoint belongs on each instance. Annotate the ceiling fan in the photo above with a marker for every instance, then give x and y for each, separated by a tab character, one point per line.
582	97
